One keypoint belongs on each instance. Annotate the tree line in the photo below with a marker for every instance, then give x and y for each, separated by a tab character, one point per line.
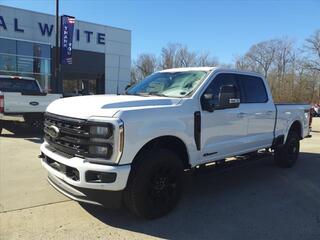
293	71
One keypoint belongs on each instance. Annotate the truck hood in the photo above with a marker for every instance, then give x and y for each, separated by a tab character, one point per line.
84	107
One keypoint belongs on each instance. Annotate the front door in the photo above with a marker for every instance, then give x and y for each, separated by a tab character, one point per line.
223	131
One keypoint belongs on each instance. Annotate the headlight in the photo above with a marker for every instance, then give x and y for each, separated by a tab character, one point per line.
101	151
106	142
101	131
101	141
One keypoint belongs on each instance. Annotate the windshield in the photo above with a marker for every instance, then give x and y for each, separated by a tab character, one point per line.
169	84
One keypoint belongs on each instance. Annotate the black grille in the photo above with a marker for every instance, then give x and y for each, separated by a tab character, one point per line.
73	137
70	172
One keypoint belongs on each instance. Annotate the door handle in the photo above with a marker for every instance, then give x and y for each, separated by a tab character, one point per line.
269	112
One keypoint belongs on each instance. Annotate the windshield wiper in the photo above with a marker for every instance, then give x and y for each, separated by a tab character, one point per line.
142	94
157	94
148	94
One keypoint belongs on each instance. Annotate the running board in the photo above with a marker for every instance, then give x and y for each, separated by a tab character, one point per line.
233	162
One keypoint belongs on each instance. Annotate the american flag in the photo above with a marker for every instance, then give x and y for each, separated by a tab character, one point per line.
71	20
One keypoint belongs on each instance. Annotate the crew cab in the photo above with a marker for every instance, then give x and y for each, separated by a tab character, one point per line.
22	99
134	148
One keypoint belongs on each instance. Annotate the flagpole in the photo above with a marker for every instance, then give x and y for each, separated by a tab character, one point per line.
57	59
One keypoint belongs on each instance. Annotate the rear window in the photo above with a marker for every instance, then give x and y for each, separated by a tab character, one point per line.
254	89
18	85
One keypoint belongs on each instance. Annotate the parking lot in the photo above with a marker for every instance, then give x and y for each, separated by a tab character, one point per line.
254	201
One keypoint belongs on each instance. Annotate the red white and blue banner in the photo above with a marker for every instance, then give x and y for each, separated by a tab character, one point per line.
66	36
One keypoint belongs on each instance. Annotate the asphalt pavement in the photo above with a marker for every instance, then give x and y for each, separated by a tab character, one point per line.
254	201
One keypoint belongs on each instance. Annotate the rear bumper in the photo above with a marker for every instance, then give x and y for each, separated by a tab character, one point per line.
6	117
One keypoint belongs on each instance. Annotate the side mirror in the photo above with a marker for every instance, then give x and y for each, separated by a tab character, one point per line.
207	102
228	97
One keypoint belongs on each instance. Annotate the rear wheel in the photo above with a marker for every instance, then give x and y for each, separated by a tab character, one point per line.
287	155
155	184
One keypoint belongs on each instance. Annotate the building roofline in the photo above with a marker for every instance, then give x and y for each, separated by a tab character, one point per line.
51	15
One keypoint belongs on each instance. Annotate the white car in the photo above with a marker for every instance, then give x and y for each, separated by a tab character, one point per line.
134	148
22	99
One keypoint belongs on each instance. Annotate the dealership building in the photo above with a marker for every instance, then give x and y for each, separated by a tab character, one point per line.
101	55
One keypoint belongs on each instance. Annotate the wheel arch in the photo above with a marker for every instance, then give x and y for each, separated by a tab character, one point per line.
170	142
296	126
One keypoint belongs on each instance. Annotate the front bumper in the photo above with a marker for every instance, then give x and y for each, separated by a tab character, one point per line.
80	189
110	199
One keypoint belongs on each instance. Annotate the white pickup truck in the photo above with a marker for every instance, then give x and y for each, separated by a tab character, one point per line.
134	148
22	99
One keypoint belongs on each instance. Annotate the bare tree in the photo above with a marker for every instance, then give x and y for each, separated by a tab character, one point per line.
242	63
184	57
204	59
284	55
263	54
293	76
284	62
168	55
177	55
134	74
146	64
142	67
313	47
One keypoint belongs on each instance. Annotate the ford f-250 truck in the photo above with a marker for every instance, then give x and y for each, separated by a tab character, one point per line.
134	148
22	99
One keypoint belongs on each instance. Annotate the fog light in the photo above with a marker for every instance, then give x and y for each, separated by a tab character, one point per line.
100	177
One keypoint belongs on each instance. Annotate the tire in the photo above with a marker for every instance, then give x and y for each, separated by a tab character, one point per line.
0	129
155	184
287	155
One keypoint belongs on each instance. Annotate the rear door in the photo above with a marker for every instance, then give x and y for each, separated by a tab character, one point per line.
259	109
223	131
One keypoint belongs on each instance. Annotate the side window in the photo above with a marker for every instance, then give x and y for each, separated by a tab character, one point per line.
218	82
254	89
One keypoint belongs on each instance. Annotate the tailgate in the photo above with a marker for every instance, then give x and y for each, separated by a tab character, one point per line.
23	103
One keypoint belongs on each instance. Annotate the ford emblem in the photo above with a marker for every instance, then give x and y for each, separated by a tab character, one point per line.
34	103
53	131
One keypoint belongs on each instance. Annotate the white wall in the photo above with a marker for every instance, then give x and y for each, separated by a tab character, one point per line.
117	47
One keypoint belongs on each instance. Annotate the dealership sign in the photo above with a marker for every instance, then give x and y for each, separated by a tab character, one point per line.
46	29
66	35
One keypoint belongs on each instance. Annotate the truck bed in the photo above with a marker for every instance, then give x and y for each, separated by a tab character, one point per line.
287	113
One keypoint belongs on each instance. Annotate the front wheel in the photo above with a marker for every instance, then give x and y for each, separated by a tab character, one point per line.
155	184
287	155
